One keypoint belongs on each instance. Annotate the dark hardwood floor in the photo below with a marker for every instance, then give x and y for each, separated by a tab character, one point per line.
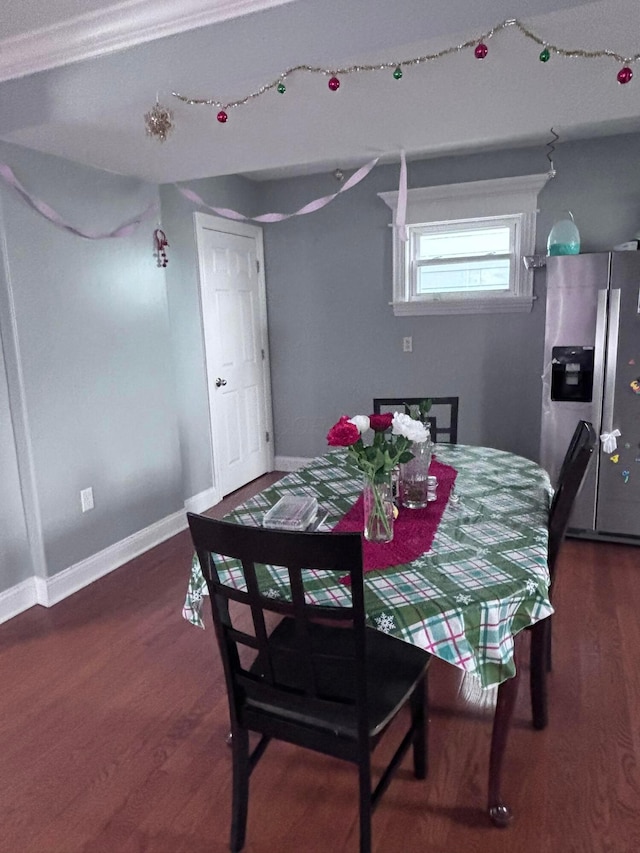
113	724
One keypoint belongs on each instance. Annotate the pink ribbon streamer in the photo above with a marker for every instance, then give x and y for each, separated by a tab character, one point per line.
401	209
53	216
311	207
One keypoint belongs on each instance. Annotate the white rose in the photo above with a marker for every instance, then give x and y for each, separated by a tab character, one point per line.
362	422
408	427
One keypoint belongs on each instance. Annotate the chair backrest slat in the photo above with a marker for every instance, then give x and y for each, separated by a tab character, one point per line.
443	423
572	474
242	591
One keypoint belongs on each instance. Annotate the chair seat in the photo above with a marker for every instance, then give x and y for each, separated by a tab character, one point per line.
392	672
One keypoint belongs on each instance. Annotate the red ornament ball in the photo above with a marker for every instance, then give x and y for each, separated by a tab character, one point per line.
481	51
624	75
222	117
334	84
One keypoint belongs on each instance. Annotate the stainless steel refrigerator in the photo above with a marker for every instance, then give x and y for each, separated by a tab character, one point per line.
592	372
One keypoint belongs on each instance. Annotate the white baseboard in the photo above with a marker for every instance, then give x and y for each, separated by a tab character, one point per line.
51	590
290	463
17	599
203	500
81	574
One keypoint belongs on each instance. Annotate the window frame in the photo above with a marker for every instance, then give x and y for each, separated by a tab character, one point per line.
512	222
513	199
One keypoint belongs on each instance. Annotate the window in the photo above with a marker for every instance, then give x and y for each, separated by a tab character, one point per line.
465	247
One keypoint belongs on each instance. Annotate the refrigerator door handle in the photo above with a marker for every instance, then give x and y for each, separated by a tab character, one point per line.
600	355
611	365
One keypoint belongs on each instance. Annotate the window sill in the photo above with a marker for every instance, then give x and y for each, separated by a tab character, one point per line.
498	305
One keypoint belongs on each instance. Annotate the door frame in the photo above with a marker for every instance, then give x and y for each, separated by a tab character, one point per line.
207	222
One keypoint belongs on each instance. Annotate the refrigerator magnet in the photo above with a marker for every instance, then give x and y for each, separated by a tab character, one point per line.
615	458
625	476
635	385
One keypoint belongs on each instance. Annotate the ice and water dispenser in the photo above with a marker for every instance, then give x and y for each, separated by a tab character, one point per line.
572	374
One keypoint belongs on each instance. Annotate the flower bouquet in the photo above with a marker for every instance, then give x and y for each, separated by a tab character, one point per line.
392	436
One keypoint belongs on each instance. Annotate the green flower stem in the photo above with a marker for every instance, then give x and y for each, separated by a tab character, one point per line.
380	457
377	461
379	509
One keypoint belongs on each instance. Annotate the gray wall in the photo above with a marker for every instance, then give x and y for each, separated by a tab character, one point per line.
92	351
334	341
15	560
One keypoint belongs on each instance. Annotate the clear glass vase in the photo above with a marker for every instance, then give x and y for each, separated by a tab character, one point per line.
414	476
378	509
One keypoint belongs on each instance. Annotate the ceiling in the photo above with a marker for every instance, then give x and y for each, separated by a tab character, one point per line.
78	77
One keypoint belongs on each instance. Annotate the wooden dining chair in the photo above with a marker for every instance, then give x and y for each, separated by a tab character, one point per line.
320	678
442	417
572	473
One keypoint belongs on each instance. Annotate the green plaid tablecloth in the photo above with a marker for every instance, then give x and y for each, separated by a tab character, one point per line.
484	579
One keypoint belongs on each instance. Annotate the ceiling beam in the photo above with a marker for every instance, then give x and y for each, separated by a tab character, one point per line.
115	28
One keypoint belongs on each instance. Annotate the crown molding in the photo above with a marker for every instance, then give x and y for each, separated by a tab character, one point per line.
121	26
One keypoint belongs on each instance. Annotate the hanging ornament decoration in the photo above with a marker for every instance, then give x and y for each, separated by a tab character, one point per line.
624	75
550	146
159	121
160	243
397	66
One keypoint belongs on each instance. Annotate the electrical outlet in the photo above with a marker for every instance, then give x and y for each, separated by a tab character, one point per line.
407	344
86	499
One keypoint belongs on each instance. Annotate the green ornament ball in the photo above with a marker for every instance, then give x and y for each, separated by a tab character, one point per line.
282	88
545	55
397	74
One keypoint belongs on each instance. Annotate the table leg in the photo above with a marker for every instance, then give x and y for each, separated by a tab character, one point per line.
499	812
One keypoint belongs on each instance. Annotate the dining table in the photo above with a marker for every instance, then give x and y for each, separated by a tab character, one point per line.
461	578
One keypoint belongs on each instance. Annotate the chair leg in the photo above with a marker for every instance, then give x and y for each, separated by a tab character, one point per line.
240	797
364	778
419	723
539	659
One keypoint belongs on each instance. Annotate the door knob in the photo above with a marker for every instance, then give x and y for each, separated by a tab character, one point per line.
220	382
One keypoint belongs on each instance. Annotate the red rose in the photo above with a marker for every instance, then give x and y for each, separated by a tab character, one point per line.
380	423
343	433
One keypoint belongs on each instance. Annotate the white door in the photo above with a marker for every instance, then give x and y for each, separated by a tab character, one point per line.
234	313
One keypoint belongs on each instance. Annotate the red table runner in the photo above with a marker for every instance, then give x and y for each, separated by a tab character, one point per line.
413	529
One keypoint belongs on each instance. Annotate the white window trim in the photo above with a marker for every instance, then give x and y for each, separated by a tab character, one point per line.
450	202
